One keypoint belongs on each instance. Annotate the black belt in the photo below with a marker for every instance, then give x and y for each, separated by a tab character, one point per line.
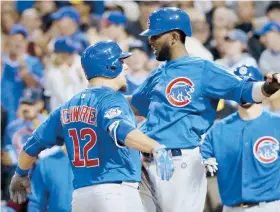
174	152
120	182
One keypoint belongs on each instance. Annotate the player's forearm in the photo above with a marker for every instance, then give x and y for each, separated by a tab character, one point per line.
138	140
25	162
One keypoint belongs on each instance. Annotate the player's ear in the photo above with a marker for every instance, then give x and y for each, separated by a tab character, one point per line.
175	37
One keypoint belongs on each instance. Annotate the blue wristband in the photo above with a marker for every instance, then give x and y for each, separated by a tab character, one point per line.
22	172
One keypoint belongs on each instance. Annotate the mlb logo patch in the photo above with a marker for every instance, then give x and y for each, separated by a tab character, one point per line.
178	91
266	149
112	113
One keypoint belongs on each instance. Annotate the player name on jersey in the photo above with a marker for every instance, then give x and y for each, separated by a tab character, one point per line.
79	114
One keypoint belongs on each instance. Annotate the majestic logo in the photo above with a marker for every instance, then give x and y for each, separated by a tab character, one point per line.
178	91
266	149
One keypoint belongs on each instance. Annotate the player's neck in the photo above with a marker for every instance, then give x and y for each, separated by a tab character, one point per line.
100	81
178	52
251	113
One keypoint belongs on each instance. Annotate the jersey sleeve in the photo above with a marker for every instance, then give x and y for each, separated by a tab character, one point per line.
48	134
219	83
116	117
206	148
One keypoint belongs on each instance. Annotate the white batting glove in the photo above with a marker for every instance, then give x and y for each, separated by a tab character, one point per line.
164	163
210	165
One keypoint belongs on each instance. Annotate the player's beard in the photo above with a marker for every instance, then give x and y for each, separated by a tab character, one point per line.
164	54
123	88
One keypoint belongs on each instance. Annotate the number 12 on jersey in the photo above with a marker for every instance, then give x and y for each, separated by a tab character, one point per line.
84	132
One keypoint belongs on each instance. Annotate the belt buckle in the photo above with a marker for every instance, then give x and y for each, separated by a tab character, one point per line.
176	152
244	205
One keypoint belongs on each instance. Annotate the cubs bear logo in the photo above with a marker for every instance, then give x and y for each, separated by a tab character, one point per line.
178	91
266	149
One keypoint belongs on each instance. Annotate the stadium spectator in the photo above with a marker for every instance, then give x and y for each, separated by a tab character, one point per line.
20	70
224	20
136	27
68	24
18	131
246	13
273	11
200	35
270	33
64	76
235	50
113	25
31	20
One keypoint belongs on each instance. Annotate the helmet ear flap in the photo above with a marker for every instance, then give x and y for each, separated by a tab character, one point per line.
114	68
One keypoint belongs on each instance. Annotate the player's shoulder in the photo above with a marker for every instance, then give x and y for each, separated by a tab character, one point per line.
227	120
113	96
106	93
196	59
272	115
74	99
157	70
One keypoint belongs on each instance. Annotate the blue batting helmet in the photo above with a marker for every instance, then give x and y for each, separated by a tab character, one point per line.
167	19
103	60
249	71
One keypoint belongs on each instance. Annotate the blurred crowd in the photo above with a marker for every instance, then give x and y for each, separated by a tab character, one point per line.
42	42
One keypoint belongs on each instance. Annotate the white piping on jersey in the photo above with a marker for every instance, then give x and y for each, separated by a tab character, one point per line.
114	126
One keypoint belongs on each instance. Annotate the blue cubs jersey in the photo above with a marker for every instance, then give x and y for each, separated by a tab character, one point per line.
51	184
19	130
180	97
247	152
11	84
83	123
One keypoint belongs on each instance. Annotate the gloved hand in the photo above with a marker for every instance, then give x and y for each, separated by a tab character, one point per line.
164	162
210	165
272	84
19	188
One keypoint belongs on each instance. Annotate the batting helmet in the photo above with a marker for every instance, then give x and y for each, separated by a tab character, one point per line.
103	60
249	71
167	19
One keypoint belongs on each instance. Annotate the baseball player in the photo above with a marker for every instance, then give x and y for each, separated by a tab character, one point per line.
246	147
179	100
51	183
97	126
